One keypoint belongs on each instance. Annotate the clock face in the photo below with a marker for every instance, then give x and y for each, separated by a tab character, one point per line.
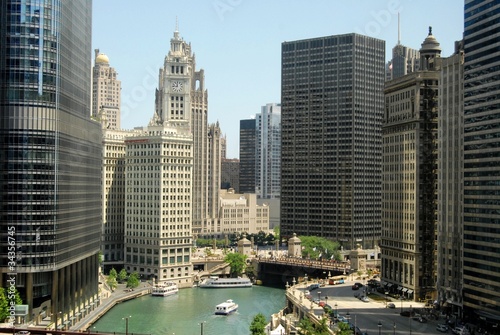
176	86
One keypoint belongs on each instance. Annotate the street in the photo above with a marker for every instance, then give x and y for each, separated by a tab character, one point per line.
367	316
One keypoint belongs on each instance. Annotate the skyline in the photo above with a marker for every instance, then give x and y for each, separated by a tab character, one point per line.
238	44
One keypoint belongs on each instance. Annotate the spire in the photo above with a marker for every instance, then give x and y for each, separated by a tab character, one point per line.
176	24
399	31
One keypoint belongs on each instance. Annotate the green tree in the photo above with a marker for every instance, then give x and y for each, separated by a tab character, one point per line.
258	325
113	273
122	275
314	246
237	263
344	329
133	280
306	327
5	302
112	283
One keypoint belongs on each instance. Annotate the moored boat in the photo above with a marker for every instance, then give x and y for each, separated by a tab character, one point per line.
165	289
216	282
226	308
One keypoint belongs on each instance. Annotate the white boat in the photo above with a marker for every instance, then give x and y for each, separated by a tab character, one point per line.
226	308
165	289
216	282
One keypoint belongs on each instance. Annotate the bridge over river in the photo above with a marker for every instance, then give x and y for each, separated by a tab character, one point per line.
280	271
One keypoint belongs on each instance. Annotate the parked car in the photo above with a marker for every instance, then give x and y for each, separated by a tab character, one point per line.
442	328
355	287
391	305
405	313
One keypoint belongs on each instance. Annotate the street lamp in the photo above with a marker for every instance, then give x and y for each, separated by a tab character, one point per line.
126	324
336	315
394	327
201	325
319	298
379	327
348	317
401	303
326	300
410	317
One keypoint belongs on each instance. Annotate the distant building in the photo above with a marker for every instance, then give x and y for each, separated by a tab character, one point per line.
405	60
106	92
409	178
230	174
50	160
268	152
331	117
248	159
481	215
241	213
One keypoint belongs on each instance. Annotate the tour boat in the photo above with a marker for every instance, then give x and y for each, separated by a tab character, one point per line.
226	308
216	282
164	290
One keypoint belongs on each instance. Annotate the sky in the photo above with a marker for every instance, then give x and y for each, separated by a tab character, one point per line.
238	44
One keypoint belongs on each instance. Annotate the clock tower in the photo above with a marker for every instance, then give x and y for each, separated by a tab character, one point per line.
173	98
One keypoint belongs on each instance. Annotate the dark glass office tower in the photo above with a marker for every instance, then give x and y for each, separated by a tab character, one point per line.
332	103
50	158
481	250
248	133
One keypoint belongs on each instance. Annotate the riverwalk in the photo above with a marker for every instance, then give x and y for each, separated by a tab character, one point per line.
120	294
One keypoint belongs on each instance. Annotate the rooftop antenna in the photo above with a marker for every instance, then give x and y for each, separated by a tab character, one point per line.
176	24
399	31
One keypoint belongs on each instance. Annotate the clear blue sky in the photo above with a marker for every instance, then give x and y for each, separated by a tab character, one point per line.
238	44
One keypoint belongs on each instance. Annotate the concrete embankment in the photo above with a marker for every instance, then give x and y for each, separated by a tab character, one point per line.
115	298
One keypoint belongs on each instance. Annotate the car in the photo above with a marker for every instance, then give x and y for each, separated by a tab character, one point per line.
321	304
23	332
442	328
391	305
422	319
405	313
342	318
365	299
355	287
358	284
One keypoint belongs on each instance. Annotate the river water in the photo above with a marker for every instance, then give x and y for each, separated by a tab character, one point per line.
183	313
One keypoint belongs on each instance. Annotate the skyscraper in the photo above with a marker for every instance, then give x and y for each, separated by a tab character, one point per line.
409	178
183	100
247	155
106	92
331	116
50	158
481	215
450	182
268	152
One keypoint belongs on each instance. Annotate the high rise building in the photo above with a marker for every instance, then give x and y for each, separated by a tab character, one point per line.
183	100
409	178
113	196
404	60
248	159
481	274
450	182
230	174
331	116
163	173
268	151
158	236
106	92
50	159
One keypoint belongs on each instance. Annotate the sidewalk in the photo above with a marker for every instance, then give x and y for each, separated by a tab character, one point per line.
118	295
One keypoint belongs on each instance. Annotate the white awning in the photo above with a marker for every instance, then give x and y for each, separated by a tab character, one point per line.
410	291
405	289
399	288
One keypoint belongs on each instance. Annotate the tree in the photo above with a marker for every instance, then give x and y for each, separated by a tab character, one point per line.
133	280
316	247
113	273
112	283
6	299
258	325
237	263
122	276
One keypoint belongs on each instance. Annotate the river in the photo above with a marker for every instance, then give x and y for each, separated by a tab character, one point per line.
183	313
